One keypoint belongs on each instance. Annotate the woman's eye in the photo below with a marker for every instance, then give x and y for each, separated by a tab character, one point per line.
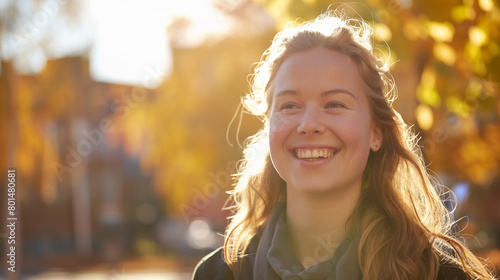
287	106
335	105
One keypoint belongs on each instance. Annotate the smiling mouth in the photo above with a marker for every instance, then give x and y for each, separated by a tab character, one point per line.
314	154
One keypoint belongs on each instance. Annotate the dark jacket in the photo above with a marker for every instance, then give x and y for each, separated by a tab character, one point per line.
213	267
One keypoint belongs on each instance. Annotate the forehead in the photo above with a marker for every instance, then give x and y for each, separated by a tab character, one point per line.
318	70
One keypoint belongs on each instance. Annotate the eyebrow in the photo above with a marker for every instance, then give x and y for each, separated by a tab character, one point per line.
325	93
338	90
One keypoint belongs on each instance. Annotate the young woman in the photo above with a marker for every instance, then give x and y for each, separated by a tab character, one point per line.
333	186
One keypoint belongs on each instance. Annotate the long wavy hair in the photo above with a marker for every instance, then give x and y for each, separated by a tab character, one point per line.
404	228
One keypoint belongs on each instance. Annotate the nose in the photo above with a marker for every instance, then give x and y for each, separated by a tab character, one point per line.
311	123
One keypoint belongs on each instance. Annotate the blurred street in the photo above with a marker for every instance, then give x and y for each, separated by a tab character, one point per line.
150	268
113	275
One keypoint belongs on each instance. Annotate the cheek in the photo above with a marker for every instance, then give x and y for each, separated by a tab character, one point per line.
356	131
276	134
279	124
279	129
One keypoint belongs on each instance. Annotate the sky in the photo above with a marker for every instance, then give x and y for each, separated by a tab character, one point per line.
131	42
126	40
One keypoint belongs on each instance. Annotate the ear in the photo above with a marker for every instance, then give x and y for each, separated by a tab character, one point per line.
376	139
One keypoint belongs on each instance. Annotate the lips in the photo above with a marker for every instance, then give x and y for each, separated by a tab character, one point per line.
311	154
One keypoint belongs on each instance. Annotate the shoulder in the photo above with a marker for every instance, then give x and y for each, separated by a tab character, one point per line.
213	267
451	272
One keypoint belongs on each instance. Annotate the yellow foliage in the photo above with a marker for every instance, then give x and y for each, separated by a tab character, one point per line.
474	88
382	32
426	91
458	106
486	5
494	48
424	116
477	36
310	2
478	162
279	11
429	77
469	3
445	53
480	68
413	30
428	95
461	13
440	31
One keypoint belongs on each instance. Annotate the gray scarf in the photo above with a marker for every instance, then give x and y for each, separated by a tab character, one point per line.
274	258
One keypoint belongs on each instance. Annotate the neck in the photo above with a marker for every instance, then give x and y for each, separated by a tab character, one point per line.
317	223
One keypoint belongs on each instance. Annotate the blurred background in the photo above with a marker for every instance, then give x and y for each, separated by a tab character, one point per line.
117	116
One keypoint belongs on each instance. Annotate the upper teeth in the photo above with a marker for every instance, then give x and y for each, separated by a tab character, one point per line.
313	153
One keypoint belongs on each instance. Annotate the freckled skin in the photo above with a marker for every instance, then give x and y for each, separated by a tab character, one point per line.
319	101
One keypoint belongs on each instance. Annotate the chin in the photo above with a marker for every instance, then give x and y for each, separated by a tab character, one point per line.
311	188
321	187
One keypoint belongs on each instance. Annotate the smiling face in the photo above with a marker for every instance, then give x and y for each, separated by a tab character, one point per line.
321	131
